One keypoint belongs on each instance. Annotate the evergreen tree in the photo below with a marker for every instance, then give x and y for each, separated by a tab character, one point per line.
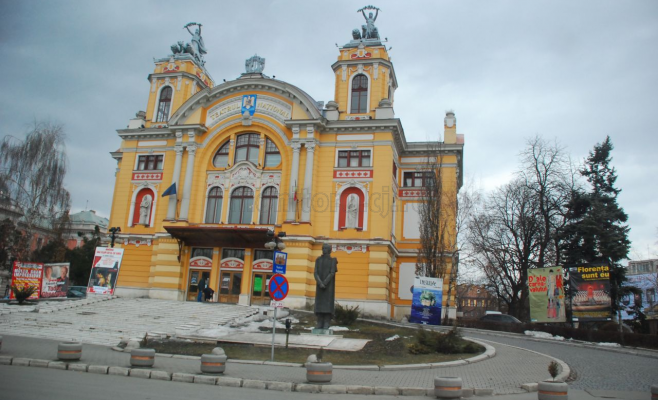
597	230
82	257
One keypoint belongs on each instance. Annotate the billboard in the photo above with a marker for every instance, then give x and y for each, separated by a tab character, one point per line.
590	292
426	301
55	282
546	295
104	270
648	284
27	274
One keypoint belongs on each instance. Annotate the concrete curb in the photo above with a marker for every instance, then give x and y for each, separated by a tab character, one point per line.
233	382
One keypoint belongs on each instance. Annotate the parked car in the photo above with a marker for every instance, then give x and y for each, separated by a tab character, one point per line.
77	292
500	318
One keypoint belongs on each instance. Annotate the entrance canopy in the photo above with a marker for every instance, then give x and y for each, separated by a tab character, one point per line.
214	236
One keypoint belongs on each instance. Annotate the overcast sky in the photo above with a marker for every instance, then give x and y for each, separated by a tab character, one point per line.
571	71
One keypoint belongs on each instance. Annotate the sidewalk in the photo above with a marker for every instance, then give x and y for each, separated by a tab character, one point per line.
503	373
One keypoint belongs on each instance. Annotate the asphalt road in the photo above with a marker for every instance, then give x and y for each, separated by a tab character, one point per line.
20	383
591	368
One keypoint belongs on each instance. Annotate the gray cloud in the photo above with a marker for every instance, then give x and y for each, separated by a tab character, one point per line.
574	71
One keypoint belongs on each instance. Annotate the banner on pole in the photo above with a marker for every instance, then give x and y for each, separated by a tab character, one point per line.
25	275
546	295
590	292
105	270
55	282
426	301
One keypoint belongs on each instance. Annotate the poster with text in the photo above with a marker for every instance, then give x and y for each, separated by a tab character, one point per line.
546	295
426	301
25	275
104	270
590	292
55	282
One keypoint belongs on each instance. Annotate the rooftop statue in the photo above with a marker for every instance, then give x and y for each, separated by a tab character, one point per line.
369	30
195	47
254	64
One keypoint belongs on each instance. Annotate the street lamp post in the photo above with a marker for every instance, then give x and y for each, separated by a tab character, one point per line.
114	232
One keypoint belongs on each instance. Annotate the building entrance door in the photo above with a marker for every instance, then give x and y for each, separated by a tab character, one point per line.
229	286
192	285
260	291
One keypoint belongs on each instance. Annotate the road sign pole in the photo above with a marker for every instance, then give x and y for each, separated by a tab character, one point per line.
273	333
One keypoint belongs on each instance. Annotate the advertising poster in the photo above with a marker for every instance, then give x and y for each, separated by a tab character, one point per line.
426	301
27	274
590	292
104	270
648	284
55	282
546	295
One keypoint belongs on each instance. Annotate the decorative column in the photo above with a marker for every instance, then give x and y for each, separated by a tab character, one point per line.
294	176
308	182
189	175
173	199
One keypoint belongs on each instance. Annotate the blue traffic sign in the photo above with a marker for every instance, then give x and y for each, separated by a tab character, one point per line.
278	287
280	261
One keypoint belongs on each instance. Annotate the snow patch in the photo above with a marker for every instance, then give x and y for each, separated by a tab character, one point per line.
394	337
607	344
543	335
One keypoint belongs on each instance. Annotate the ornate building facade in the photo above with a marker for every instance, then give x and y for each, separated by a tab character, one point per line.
257	156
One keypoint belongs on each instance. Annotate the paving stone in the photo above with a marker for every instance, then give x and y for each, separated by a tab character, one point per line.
356	389
98	369
467	392
358	367
254	384
334	389
23	362
530	387
122	371
39	363
404	367
307	388
413	391
280	386
483	392
227	381
140	373
448	364
205	379
182	377
57	365
387	391
5	360
78	367
161	375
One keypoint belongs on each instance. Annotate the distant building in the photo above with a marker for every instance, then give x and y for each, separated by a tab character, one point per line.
642	267
473	301
81	225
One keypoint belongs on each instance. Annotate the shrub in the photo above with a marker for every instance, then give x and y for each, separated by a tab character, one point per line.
472	348
417	348
428	341
346	315
553	369
23	293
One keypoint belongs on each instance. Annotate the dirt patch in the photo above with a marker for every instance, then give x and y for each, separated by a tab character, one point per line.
378	351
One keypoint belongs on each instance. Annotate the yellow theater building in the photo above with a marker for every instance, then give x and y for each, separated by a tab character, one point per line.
257	157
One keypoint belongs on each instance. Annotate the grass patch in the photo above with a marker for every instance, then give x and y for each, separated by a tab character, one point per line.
378	351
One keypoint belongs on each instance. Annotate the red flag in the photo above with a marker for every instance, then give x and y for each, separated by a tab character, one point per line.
295	195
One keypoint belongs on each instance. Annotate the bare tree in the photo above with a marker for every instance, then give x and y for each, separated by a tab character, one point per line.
32	175
437	213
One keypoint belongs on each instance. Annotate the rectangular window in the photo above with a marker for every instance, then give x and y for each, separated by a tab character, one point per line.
417	178
202	252
233	253
354	158
150	162
264	255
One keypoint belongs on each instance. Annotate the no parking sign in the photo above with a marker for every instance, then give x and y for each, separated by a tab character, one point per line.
278	287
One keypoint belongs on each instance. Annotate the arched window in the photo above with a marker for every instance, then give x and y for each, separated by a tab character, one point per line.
246	148
164	105
351	209
272	154
359	103
241	206
214	206
268	205
221	157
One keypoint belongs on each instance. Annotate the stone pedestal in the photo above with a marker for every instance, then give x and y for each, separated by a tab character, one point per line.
317	331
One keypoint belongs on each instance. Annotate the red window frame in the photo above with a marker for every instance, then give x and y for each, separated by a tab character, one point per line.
222	152
348	155
250	141
359	103
418	178
151	162
270	150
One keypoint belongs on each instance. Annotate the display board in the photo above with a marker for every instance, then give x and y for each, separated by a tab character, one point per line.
105	270
426	301
27	274
546	287
590	293
55	282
